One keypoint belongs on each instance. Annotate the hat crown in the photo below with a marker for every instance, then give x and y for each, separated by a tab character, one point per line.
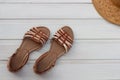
116	2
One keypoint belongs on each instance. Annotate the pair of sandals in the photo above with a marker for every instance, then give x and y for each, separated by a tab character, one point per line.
33	40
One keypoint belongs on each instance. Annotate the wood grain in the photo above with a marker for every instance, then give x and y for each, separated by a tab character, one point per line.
81	50
95	54
65	70
39	11
83	29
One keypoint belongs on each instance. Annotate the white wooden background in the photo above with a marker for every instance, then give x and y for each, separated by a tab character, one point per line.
96	51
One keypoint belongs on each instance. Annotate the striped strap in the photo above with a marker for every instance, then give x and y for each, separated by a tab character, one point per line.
63	39
36	35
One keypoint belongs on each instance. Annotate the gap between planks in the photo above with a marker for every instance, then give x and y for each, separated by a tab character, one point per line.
77	61
45	1
37	19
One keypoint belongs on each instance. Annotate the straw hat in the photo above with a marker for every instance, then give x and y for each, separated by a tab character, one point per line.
108	9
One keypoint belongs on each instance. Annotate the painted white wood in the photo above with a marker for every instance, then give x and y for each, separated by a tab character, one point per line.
95	54
38	11
47	1
82	49
65	71
83	29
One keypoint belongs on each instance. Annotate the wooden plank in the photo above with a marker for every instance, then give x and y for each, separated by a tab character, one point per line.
83	29
65	70
82	49
94	55
38	11
45	1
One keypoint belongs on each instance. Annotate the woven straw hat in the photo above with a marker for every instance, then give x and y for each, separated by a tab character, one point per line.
108	9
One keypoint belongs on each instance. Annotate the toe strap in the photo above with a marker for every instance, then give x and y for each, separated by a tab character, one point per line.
36	35
63	39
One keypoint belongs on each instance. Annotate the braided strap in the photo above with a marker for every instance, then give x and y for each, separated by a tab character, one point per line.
36	35
63	39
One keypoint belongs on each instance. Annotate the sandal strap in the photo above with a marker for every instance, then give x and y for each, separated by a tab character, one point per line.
36	35
63	39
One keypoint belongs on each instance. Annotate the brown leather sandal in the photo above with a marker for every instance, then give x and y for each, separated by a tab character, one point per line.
60	44
33	40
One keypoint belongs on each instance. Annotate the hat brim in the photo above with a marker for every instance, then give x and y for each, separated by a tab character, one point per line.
108	10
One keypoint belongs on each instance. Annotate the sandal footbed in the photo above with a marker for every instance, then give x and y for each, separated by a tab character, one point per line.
21	56
48	59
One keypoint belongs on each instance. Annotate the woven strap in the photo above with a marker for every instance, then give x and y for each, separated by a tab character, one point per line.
63	39
36	35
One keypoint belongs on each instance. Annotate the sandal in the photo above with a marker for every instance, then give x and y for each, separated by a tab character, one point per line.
60	44
33	40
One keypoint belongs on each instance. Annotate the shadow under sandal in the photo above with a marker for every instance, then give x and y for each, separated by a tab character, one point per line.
33	40
60	44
